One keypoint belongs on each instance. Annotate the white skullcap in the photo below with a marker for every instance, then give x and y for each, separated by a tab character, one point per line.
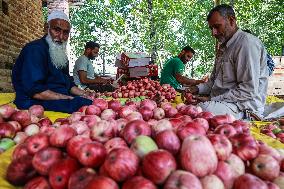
56	14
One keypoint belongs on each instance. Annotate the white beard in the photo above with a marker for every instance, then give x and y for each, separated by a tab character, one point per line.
57	52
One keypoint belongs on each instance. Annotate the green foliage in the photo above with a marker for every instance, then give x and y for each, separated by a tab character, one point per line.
166	26
44	13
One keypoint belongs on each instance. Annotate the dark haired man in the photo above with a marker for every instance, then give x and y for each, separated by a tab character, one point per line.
238	83
174	68
41	74
84	74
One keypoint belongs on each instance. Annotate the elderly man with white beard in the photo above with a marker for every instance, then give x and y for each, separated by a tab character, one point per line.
40	74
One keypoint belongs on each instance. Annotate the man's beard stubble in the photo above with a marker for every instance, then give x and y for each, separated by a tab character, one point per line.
57	52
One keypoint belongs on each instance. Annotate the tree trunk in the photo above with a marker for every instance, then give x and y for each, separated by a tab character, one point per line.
152	31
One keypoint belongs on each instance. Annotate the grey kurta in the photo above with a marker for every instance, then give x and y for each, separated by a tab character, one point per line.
83	63
240	74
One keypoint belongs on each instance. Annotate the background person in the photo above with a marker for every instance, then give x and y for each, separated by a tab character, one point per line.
174	68
238	83
84	74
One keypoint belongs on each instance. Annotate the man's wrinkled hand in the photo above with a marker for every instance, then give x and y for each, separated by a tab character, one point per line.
192	89
202	98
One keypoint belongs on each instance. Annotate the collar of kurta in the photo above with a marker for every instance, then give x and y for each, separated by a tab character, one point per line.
233	38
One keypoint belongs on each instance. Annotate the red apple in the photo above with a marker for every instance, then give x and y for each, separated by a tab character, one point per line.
101	103
45	159
17	126
158	165
48	130
37	142
114	143
61	121
36	110
23	117
102	182
225	129
115	105
149	103
102	131
125	110
169	141
222	146
91	120
7	130
74	145
202	122
248	181
160	126
171	112
45	122
182	179
240	126
190	128
267	150
119	126
191	110
179	106
266	167
92	154
61	135
80	127
198	156
75	116
176	122
146	112
60	172
138	182
20	170
159	113
134	129
245	146
6	111
205	115
212	181
81	178
186	119
134	116
19	151
221	119
20	137
34	119
108	114
226	173
121	164
93	110
32	129
82	109
37	183
237	164
166	105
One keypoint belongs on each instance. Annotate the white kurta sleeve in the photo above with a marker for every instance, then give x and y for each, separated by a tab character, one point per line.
247	65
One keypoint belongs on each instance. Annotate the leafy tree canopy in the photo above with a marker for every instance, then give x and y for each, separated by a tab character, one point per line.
164	27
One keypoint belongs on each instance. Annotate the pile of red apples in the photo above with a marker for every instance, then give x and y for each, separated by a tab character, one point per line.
110	146
274	130
19	124
144	87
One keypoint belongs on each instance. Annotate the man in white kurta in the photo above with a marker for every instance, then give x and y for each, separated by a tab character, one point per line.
238	82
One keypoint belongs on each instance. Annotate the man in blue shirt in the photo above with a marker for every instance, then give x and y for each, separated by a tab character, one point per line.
40	74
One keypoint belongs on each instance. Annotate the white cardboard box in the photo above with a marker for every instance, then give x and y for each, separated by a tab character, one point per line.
138	71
